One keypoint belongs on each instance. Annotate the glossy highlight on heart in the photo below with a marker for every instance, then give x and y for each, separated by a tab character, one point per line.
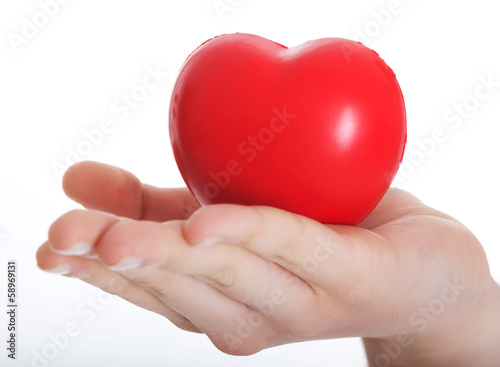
318	129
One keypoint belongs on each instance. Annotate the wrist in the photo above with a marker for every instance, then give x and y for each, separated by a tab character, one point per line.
471	337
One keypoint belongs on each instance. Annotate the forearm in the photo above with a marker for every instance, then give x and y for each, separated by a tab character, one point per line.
472	339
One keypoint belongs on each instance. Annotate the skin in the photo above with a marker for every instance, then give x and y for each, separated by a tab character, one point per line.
413	282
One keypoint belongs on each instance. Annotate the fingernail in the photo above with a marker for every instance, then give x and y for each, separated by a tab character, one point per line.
210	241
78	248
62	269
131	262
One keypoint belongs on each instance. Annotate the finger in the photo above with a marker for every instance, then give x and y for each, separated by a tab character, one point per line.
74	232
210	297
240	274
124	245
114	190
92	272
148	253
318	254
233	327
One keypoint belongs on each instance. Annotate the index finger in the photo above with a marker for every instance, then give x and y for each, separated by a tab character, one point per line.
114	190
319	254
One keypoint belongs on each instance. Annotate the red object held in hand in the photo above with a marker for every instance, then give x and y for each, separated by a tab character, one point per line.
318	129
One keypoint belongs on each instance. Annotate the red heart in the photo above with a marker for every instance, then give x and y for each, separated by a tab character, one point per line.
318	129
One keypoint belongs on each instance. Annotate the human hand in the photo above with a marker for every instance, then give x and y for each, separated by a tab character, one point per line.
411	280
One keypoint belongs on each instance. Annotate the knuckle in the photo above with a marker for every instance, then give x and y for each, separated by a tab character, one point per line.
184	324
223	276
244	334
289	250
164	290
161	292
287	253
231	344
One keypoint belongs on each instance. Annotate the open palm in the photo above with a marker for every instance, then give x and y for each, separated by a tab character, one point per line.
256	277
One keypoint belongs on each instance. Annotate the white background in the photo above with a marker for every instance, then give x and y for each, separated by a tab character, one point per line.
65	78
